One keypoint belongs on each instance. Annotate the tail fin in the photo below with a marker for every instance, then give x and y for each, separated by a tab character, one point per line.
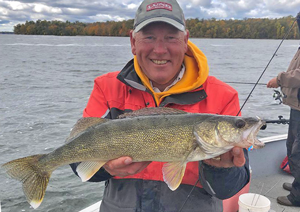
34	179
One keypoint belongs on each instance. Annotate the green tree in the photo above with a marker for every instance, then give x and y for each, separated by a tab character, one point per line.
253	28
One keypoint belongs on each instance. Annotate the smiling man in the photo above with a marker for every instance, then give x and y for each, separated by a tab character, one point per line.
160	50
167	71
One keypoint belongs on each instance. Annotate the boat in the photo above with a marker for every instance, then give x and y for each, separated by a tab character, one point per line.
266	176
93	208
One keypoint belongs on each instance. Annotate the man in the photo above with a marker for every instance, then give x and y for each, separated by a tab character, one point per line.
167	71
289	82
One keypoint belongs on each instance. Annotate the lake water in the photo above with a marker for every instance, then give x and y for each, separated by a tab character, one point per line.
45	83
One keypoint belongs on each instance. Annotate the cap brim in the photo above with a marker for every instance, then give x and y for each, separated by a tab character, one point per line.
160	19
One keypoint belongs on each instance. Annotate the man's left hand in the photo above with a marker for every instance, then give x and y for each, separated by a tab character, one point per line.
234	157
273	83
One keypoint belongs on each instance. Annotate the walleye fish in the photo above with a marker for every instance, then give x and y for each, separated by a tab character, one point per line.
150	134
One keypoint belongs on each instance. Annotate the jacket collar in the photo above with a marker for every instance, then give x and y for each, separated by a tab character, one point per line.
129	77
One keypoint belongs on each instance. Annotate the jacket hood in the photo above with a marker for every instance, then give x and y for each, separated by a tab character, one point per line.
195	75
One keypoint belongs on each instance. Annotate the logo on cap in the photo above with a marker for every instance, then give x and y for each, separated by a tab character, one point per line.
159	5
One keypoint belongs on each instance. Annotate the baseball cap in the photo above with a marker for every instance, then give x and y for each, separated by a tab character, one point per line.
167	11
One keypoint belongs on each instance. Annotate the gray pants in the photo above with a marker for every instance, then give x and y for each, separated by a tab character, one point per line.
293	153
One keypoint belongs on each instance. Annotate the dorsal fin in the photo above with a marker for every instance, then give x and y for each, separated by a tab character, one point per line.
83	124
151	111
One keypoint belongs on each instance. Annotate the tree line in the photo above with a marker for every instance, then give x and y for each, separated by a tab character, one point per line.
250	28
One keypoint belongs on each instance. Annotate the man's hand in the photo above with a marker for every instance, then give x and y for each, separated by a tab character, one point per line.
234	157
273	83
124	166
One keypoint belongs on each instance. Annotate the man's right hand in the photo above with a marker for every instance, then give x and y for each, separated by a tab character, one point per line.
124	166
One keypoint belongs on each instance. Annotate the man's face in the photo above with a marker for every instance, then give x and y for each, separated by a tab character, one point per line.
160	49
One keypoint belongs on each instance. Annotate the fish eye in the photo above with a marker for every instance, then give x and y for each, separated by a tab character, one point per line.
240	123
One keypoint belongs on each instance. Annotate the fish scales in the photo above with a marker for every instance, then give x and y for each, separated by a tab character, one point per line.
117	138
166	138
169	137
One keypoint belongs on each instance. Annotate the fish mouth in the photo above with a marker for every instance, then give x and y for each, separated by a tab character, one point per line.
246	139
250	135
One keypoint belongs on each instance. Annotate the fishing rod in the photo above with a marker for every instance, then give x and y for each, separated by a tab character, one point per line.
246	83
280	120
255	84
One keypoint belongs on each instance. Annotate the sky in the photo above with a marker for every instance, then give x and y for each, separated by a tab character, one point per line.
89	11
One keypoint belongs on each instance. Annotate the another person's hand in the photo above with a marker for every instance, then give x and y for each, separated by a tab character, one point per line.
124	166
273	83
234	157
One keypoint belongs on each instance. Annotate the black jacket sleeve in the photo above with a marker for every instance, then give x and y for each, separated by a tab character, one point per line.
224	183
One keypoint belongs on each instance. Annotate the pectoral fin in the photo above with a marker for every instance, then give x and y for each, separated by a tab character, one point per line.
87	169
173	174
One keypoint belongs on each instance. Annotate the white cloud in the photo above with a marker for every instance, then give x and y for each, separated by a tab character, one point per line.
132	6
101	17
16	5
40	8
215	12
282	5
38	16
3	11
74	10
204	3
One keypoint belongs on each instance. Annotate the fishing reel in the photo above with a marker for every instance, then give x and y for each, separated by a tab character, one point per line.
277	96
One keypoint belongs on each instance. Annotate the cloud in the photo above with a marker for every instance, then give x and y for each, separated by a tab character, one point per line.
283	6
239	9
14	12
41	8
